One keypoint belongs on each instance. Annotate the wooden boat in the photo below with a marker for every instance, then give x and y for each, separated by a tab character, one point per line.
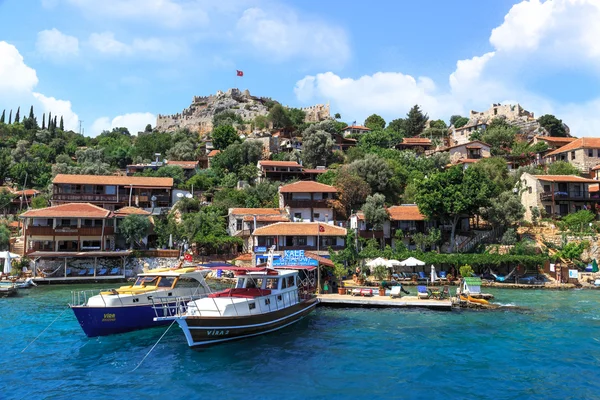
472	299
262	301
131	307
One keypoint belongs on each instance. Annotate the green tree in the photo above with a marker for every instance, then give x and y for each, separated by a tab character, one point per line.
148	128
579	221
6	198
562	168
148	144
279	117
500	138
415	121
2	117
10	118
296	116
43	121
352	192
62	124
552	125
375	171
438	124
260	122
206	229
167	171
375	212
134	228
505	210
454	194
4	237
39	202
397	125
337	116
375	122
31	116
460	122
227	118
223	136
317	148
234	157
17	116
496	170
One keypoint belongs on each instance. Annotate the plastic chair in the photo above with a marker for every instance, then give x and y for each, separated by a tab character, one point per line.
423	292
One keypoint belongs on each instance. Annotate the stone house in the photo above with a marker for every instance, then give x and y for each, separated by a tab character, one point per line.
355	130
474	150
552	142
557	195
308	201
420	145
241	222
582	153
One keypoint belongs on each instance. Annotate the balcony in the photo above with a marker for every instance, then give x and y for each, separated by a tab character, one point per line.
307	203
370	234
323	248
69	231
576	195
81	197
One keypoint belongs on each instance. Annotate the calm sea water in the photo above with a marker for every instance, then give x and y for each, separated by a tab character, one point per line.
551	350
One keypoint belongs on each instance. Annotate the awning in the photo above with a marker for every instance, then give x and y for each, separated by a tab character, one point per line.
78	254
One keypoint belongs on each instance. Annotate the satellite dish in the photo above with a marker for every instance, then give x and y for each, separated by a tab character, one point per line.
153	198
180	195
189	195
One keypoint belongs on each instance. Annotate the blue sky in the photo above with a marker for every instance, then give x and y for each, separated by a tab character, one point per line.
121	62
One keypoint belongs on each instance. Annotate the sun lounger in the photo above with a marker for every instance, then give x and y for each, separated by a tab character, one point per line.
68	272
362	292
396	291
102	272
82	272
443	275
115	271
423	292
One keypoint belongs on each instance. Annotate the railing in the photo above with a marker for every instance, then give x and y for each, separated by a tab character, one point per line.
480	237
365	234
84	197
165	253
307	203
321	247
69	231
573	194
81	297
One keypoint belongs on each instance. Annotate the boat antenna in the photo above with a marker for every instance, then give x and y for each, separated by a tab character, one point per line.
148	353
36	338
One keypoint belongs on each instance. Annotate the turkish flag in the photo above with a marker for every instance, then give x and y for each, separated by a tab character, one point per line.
321	229
239	73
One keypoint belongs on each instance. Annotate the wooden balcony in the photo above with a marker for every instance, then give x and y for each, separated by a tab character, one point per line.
324	247
69	231
80	197
575	195
370	234
307	203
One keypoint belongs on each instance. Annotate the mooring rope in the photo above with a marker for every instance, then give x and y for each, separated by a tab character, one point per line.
155	344
36	338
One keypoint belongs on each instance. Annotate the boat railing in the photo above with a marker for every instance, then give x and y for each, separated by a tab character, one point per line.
81	297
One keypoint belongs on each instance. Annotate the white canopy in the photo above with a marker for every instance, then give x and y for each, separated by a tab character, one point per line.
411	262
378	261
393	263
7	255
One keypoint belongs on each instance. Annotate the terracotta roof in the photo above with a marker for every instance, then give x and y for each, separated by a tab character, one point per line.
26	192
113	180
266	218
131	210
594	188
409	212
597	167
307	187
184	164
213	153
581	143
564	178
469	160
14	224
244	257
314	171
360	215
359	127
415	141
300	229
269	163
69	210
474	147
255	211
556	140
322	260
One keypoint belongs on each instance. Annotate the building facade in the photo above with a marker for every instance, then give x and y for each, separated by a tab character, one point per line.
314	236
582	153
308	201
241	222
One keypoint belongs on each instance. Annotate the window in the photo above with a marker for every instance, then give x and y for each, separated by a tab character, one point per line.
298	216
598	152
110	189
88	222
272	283
290	281
267	302
302	241
90	245
572	155
530	189
239	224
283	283
590	152
546	188
166	281
251	306
549	210
88	189
316	215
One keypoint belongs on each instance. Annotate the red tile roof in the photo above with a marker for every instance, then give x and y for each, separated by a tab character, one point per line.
469	160
266	218
300	229
416	142
184	164
26	192
359	127
314	171
269	163
213	153
467	145
594	188
564	178
307	187
69	210
256	211
131	210
556	140
597	167
244	257
113	180
581	143
409	212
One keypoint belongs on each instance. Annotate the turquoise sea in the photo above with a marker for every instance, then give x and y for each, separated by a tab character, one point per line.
549	350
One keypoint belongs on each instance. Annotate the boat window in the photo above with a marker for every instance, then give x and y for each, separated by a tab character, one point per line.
252	283
166	281
273	283
240	283
284	283
251	306
146	281
186	283
290	281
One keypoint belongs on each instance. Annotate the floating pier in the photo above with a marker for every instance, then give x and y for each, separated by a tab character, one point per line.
345	300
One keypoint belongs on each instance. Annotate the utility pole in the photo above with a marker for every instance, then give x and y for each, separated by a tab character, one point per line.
80	122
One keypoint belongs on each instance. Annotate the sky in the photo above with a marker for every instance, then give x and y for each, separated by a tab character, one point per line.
111	63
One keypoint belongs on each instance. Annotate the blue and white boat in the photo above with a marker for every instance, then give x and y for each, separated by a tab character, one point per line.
132	307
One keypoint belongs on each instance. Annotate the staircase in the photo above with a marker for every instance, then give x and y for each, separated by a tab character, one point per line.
479	238
17	245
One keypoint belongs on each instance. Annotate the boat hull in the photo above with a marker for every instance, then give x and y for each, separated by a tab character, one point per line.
206	331
102	321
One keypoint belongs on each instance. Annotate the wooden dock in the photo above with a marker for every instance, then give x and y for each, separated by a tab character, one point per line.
345	300
79	279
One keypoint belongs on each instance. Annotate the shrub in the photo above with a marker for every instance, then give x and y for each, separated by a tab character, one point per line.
466	271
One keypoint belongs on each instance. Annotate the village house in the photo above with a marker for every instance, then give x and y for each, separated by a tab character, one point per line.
241	222
582	153
123	213
210	156
21	199
308	201
557	195
113	192
189	167
474	150
552	142
355	130
420	145
340	142
314	236
286	170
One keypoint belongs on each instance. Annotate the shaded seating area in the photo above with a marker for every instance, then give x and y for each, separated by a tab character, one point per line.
102	272
115	271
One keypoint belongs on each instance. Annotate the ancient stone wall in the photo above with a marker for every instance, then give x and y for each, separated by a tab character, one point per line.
316	113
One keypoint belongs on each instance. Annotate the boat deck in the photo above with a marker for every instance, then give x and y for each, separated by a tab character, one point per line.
79	279
345	300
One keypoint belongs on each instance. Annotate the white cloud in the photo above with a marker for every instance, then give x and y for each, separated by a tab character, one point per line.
56	45
59	108
280	34
535	40
135	122
106	43
15	77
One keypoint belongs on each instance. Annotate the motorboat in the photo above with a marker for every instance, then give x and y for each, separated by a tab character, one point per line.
131	307
263	300
19	284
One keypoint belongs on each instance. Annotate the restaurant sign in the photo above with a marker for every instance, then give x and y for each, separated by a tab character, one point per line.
294	257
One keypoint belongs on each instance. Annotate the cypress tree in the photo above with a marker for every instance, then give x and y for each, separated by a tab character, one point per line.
2	117
10	117
49	120
31	113
44	121
62	125
54	122
17	116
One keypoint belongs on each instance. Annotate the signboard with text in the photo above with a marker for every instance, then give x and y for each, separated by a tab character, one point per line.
294	257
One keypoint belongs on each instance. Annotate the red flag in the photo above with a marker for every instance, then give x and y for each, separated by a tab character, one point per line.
239	73
321	229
